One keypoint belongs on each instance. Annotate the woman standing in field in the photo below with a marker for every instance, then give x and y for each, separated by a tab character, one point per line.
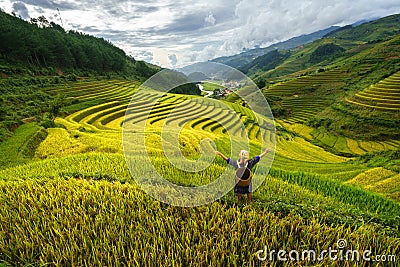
244	162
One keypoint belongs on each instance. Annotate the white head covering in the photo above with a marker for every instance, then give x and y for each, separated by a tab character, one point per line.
244	155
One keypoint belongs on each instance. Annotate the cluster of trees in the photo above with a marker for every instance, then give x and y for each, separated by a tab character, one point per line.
187	89
325	51
168	78
23	102
46	44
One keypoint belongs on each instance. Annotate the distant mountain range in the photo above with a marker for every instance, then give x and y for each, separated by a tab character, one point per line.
331	83
338	42
245	58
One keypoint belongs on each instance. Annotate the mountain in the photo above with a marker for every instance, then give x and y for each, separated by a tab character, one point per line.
337	84
198	76
40	44
265	62
244	58
358	23
372	31
340	43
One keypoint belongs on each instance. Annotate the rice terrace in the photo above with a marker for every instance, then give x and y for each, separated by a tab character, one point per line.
71	196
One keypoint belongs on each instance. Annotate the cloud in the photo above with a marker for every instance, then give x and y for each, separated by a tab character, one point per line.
147	56
265	22
210	19
20	10
127	9
173	59
90	29
175	32
39	10
187	23
146	9
65	5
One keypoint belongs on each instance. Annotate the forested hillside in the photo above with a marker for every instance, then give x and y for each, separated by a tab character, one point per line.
38	54
46	44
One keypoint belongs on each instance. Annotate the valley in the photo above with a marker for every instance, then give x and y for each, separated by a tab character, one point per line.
69	197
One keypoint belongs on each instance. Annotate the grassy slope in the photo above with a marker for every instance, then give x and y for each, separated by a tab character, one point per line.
82	168
15	151
99	223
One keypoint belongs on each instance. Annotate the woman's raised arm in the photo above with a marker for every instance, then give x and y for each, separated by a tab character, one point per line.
221	155
265	152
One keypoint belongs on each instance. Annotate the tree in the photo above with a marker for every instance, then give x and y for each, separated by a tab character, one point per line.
261	82
55	106
43	22
144	70
325	51
57	27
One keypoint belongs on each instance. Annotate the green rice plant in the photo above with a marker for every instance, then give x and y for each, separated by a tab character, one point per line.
354	147
78	116
389	145
112	91
88	164
348	194
327	139
386	186
300	149
29	147
97	116
382	96
78	88
59	143
301	129
79	222
98	92
80	205
371	146
371	177
372	106
341	145
13	150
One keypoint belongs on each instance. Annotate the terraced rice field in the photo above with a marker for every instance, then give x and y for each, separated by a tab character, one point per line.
79	190
305	83
106	119
379	180
98	128
340	143
298	94
302	109
384	95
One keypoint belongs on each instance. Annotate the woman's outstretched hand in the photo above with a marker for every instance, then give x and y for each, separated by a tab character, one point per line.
265	152
221	155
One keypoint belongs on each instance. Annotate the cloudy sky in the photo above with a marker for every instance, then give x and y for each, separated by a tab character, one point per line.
179	32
